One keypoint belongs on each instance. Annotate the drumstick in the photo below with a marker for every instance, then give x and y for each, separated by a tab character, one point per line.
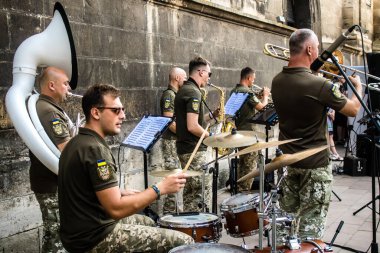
196	149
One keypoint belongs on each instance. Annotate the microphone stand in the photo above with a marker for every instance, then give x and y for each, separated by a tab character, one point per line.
376	122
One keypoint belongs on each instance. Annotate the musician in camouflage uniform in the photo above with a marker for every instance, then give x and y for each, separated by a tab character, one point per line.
54	85
176	78
247	162
301	100
91	205
188	107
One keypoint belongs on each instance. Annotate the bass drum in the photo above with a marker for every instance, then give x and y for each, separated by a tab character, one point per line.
209	248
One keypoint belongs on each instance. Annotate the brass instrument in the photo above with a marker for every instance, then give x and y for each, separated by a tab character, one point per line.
223	125
272	50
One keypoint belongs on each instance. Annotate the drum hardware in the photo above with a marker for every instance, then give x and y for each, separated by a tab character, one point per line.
209	248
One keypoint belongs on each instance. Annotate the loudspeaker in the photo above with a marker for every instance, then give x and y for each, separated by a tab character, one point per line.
354	166
364	149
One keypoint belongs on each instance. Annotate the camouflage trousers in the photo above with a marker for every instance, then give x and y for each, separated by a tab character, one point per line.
306	195
192	193
137	233
247	163
171	162
51	241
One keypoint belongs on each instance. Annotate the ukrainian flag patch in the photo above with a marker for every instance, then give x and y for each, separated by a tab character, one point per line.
103	169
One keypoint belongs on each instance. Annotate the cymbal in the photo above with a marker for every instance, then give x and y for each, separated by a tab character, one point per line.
282	161
165	173
231	140
258	146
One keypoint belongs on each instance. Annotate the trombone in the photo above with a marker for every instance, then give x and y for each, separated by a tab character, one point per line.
284	54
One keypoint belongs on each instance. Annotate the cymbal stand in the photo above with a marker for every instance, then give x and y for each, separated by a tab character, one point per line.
261	167
233	175
215	175
274	212
204	207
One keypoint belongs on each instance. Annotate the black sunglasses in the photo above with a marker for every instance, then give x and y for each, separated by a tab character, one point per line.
115	110
209	73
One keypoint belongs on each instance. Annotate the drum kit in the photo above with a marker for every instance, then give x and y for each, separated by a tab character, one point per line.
244	214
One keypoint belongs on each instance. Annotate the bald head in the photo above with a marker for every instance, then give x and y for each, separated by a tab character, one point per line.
300	39
54	83
176	77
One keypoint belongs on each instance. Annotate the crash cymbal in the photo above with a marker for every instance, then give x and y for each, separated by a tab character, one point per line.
234	139
282	161
258	146
165	173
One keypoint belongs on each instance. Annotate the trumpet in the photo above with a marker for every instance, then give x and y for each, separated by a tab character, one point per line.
284	54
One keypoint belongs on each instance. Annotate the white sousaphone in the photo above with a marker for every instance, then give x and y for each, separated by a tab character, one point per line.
52	47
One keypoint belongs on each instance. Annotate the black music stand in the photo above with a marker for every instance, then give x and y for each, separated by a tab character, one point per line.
268	117
232	109
143	137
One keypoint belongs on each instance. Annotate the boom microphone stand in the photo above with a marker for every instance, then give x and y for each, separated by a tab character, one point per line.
376	122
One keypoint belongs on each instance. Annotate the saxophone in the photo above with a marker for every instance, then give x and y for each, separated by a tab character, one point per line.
223	125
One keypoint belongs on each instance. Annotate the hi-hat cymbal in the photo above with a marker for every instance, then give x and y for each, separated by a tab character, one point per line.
231	140
165	173
258	146
282	161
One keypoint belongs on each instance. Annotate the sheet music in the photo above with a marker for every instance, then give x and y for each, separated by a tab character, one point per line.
147	132
235	102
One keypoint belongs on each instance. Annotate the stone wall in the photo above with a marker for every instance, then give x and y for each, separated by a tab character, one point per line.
132	45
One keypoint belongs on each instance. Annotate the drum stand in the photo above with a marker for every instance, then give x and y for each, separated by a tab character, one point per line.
261	166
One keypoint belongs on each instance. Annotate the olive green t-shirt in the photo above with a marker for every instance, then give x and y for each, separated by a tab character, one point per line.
86	166
247	111
188	100
301	100
167	105
55	124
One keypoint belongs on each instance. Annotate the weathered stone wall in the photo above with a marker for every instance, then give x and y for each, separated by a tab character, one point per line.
132	45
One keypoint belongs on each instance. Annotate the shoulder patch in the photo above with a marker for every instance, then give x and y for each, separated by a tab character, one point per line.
57	126
195	104
335	91
167	103
103	169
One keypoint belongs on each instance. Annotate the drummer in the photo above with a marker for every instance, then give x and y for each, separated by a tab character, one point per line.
91	204
301	100
247	162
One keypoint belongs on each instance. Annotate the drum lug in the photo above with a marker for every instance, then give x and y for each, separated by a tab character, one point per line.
194	233
237	229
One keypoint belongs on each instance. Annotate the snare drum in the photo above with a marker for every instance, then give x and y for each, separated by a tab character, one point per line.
203	227
209	248
241	213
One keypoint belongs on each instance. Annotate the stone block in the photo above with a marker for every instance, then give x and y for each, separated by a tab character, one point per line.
4	40
22	6
22	27
27	242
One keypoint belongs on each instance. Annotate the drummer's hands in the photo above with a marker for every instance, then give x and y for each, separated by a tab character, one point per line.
172	183
355	79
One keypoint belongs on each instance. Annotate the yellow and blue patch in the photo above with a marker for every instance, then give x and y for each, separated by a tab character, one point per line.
195	104
335	90
103	169
57	126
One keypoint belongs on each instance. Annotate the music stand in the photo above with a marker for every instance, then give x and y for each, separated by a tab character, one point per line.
144	136
268	117
232	109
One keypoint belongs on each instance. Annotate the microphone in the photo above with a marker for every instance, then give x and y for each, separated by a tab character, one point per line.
317	63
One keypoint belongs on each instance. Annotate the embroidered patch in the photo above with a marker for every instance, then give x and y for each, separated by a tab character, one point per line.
335	90
195	104
57	126
167	103
103	170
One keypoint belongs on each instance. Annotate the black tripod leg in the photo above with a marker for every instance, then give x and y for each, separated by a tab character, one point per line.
336	195
366	205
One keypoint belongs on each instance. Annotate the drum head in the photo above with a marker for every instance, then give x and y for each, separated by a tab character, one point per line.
239	200
208	248
190	220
